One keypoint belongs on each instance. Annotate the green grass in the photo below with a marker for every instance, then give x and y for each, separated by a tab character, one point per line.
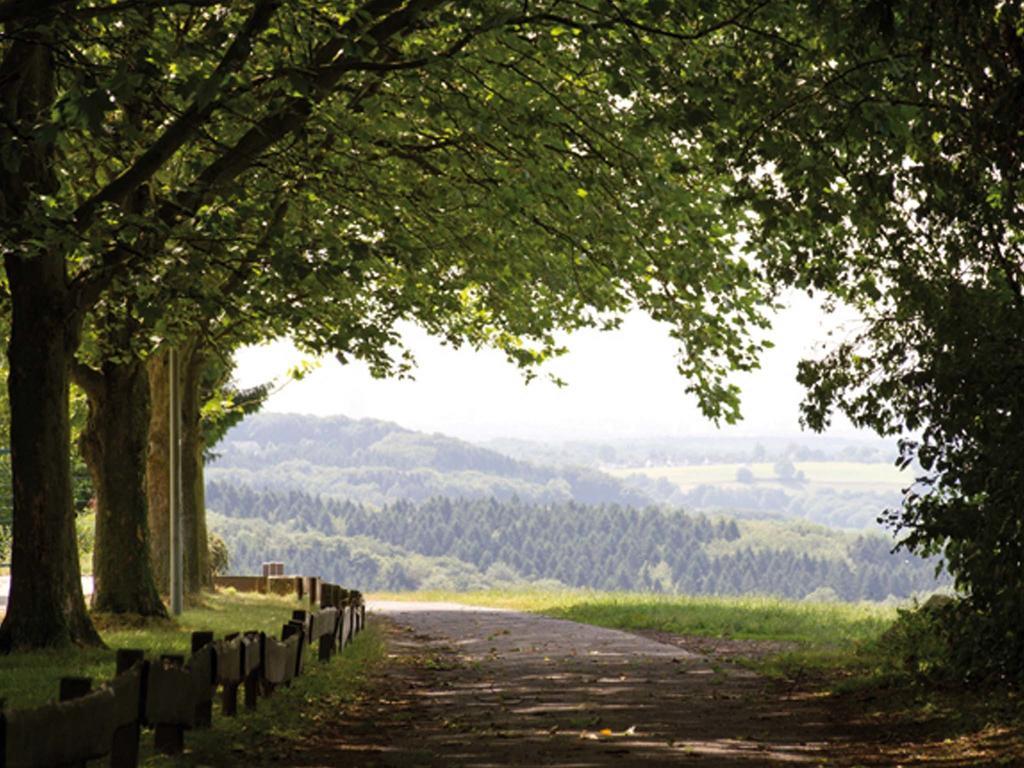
30	679
815	626
265	736
841	475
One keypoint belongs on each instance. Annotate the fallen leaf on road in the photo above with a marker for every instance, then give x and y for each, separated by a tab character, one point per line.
607	733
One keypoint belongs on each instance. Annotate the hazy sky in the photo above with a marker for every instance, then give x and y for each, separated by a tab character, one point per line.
621	384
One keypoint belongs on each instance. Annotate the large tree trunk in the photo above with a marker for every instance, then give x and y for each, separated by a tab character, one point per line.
46	607
158	469
193	513
114	447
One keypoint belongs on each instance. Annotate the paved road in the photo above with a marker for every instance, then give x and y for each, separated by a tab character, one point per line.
482	687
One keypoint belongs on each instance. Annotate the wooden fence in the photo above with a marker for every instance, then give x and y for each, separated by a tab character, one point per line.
171	694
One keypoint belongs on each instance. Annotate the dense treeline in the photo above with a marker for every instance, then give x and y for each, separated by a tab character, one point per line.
577	545
377	462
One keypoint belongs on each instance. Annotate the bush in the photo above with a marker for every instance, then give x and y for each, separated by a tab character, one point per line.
919	643
950	641
220	558
744	475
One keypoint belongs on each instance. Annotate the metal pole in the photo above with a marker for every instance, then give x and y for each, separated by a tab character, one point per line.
175	482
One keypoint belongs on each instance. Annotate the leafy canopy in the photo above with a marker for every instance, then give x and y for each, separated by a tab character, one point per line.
491	171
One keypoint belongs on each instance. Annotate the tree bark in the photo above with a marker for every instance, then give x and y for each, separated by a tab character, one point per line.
114	447
46	607
193	517
193	513
158	469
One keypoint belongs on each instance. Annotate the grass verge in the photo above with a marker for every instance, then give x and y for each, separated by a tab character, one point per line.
31	678
261	737
817	627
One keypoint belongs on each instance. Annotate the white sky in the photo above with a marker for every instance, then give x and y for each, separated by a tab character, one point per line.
621	384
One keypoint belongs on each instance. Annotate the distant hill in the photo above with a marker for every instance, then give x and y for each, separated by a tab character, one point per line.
373	503
377	462
675	451
465	544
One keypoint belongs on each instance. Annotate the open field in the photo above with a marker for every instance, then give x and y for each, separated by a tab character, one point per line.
840	475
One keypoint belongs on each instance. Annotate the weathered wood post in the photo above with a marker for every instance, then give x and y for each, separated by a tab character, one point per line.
229	673
324	625
124	749
203	665
75	688
296	628
169	737
252	642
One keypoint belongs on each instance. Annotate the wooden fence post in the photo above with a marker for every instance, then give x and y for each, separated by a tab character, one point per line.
124	749
230	672
296	628
169	738
253	666
75	688
204	707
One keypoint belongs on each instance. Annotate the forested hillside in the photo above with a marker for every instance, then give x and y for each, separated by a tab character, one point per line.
376	462
460	544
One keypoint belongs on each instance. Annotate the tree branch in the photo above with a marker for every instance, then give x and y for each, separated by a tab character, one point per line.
186	126
272	128
89	379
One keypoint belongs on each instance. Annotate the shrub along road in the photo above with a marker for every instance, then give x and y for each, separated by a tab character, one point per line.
481	687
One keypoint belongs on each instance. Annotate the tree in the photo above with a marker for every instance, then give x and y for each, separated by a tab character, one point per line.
220	558
886	170
451	135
